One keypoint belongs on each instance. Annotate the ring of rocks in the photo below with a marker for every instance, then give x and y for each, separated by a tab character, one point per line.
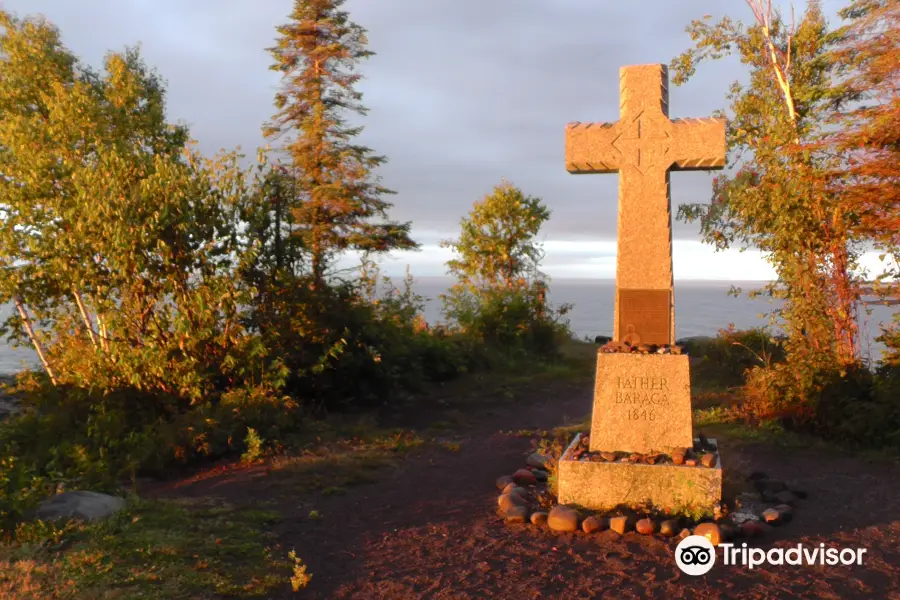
525	498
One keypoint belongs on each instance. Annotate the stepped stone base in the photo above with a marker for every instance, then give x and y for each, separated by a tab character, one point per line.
671	488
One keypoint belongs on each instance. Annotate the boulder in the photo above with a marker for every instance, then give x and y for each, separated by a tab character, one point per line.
594	524
541	475
524	477
563	518
506	501
82	505
538	461
517	514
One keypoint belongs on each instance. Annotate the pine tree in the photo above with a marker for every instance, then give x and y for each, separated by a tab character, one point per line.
337	197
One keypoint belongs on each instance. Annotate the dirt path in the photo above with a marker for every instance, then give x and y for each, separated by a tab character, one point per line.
428	528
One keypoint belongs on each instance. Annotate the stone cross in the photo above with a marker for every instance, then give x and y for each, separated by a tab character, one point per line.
643	146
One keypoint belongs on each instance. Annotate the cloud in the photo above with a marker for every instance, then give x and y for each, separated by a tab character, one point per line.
461	93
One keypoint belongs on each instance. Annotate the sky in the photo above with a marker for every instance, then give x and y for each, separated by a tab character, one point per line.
460	94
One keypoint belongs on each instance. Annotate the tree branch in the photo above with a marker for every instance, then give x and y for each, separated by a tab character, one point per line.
84	316
38	347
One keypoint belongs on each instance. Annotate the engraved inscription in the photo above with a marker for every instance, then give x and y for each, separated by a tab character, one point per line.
645	316
641	415
640	396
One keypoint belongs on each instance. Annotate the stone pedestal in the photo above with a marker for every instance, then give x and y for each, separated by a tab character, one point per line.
670	488
642	403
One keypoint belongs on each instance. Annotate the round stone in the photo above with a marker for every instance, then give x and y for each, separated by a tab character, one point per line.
772	516
538	518
503	481
524	477
538	461
645	526
563	518
668	528
512	488
507	501
517	514
710	531
593	524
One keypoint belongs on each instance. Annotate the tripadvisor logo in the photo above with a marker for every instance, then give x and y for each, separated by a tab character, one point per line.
695	555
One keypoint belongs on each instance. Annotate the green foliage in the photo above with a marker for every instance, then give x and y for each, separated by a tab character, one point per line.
254	445
182	306
890	337
500	294
859	408
725	359
778	199
496	246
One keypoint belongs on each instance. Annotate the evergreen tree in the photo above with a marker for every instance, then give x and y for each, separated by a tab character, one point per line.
337	197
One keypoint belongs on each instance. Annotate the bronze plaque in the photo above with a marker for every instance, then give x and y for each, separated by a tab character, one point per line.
645	316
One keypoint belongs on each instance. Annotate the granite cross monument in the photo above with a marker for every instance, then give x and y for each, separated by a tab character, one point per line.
642	400
643	146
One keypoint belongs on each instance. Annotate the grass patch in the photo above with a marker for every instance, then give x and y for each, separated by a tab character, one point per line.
724	423
172	549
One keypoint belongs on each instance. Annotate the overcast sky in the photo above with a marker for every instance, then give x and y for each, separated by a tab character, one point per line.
461	93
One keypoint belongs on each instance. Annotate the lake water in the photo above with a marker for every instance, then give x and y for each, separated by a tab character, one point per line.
701	308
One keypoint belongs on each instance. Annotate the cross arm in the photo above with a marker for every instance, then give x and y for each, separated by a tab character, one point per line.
589	148
699	144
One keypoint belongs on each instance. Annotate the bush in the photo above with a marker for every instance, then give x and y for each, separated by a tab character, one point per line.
516	321
728	358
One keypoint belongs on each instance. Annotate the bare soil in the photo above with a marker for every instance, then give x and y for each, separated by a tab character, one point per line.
428	528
